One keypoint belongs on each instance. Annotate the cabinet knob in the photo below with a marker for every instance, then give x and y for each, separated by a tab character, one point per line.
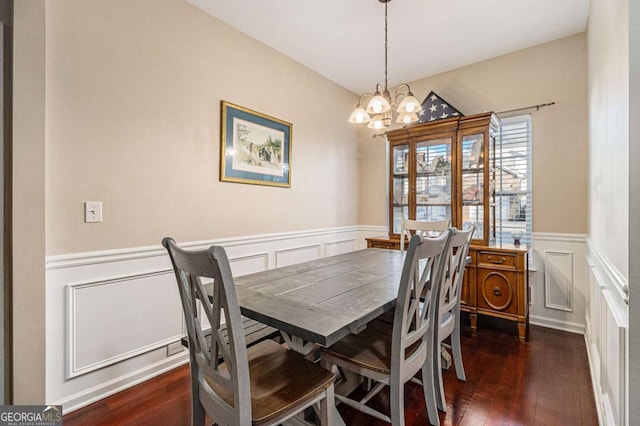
497	292
497	261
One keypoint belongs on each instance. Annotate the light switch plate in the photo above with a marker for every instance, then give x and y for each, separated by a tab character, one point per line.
93	211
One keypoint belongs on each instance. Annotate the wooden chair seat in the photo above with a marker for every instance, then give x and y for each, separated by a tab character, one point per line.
369	349
279	379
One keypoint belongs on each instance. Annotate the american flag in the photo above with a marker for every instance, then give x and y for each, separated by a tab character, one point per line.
436	108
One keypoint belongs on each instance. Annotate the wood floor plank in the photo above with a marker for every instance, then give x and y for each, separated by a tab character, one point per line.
545	381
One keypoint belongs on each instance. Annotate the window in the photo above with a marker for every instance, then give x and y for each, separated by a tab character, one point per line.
513	180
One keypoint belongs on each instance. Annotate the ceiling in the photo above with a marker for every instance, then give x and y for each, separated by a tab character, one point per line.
343	40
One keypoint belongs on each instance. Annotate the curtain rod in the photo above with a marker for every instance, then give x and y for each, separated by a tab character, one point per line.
537	107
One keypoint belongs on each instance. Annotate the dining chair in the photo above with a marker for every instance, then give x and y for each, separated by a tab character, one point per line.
448	318
263	385
424	228
392	354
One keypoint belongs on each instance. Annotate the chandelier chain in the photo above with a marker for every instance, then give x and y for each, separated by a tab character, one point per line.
382	106
385	45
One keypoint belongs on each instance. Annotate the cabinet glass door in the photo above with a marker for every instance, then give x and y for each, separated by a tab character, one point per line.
433	179
473	183
400	186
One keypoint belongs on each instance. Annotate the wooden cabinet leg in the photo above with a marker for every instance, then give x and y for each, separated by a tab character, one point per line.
474	322
522	331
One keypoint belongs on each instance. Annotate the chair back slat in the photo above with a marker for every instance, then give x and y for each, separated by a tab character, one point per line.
451	289
220	362
427	229
414	320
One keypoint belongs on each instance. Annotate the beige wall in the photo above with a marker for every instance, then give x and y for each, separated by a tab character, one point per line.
555	71
609	130
28	203
133	120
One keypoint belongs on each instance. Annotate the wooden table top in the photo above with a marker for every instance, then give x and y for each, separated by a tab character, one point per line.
326	299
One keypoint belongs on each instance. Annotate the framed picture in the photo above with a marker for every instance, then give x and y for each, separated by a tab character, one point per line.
255	148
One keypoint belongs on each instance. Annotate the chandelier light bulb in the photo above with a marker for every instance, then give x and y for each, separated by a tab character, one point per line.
406	118
378	104
359	115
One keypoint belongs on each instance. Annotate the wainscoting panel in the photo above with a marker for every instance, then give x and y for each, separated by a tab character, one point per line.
245	265
111	314
613	365
121	306
558	280
293	255
606	337
342	246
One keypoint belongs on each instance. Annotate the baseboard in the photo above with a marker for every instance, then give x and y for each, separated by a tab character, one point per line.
557	325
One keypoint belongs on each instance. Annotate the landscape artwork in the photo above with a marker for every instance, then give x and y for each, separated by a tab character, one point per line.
256	148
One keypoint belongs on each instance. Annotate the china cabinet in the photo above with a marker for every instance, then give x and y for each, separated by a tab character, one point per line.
446	170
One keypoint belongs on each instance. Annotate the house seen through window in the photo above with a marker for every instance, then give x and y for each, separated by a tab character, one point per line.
513	180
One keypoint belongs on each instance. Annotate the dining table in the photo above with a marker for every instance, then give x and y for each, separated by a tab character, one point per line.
319	302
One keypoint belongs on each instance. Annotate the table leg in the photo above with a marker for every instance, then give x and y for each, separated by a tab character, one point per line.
298	344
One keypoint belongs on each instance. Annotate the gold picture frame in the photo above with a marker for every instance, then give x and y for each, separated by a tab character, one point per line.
255	148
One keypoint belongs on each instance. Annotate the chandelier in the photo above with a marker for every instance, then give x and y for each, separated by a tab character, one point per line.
379	111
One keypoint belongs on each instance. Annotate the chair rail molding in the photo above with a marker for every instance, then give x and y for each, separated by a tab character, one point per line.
610	273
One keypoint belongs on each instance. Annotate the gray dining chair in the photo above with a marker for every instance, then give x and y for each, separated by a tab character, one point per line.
448	318
392	354
421	227
263	385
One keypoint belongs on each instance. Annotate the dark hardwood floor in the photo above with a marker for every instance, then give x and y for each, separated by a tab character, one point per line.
545	381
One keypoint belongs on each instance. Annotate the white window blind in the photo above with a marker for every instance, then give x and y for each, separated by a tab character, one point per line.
513	180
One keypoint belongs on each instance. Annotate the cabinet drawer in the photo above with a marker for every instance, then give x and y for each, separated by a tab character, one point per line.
496	259
382	244
497	290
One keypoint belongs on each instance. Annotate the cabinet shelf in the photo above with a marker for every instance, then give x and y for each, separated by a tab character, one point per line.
434	204
434	174
472	171
507	193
